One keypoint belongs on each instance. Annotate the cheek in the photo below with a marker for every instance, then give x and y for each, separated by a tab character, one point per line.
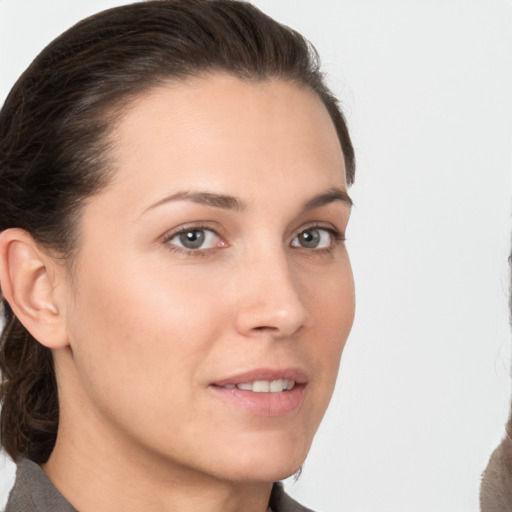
331	301
332	304
135	336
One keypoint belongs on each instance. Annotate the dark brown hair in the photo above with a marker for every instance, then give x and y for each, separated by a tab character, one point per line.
54	129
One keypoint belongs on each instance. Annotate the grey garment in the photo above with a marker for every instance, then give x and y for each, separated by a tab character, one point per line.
34	492
281	502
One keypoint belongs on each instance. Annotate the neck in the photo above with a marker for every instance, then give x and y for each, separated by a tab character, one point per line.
106	480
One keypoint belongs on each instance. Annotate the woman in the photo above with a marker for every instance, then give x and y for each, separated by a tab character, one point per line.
176	289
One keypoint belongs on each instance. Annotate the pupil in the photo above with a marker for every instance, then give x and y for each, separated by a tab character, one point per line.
192	239
310	238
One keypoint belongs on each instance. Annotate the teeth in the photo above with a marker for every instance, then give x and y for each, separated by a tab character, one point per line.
276	386
260	386
265	386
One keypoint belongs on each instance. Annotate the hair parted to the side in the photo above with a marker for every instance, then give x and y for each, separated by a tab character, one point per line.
54	149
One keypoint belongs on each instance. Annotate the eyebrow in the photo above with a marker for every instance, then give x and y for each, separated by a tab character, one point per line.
331	196
205	198
232	203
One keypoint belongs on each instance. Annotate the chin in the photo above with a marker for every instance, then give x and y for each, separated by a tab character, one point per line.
270	462
269	473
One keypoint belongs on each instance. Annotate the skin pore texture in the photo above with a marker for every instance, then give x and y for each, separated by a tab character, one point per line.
215	257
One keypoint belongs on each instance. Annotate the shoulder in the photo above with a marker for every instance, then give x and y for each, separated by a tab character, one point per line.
33	492
281	502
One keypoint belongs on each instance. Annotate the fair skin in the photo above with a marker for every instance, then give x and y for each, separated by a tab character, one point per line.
159	325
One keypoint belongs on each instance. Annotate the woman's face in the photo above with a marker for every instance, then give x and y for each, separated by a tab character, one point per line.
211	274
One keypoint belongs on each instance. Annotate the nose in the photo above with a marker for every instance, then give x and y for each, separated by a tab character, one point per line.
269	298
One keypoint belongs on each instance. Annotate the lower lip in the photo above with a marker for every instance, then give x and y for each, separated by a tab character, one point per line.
264	404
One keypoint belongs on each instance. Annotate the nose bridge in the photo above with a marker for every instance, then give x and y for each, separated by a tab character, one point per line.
270	295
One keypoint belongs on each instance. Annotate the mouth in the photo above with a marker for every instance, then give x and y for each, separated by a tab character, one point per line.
264	386
264	392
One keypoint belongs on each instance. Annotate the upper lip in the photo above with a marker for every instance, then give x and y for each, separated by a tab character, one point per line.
296	374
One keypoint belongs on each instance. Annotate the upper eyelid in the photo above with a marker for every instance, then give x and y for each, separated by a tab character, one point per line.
188	230
193	226
327	226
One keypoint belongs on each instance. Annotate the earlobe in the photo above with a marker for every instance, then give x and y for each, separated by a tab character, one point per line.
28	282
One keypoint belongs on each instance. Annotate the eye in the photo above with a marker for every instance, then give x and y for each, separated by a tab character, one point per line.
195	238
314	238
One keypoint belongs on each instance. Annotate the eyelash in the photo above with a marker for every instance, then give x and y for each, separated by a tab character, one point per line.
337	238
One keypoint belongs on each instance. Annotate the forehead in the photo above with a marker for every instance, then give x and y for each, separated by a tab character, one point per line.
222	130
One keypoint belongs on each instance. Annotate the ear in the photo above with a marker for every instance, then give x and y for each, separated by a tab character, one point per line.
30	280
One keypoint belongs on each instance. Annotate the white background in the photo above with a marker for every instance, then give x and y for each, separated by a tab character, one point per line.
424	388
